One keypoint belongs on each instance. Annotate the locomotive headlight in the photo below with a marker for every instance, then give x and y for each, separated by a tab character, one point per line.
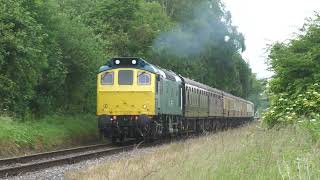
117	62
134	62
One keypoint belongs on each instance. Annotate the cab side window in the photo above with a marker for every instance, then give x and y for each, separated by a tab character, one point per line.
107	78
144	78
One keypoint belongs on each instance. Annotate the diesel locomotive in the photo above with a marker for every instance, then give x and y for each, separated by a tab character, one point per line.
136	99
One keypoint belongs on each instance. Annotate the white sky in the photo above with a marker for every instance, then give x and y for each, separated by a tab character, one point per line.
266	21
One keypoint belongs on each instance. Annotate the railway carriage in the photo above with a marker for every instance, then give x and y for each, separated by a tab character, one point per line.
215	102
136	99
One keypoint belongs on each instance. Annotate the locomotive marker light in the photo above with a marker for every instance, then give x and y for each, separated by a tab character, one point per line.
134	62
117	62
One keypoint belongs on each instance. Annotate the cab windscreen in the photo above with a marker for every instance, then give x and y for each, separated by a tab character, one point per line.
125	77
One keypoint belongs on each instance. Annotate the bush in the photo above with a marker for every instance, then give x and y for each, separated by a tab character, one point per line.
288	109
301	108
295	87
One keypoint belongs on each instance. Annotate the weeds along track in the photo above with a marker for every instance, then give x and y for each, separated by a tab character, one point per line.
20	165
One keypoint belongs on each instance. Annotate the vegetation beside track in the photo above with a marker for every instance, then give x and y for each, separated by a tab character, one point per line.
48	133
245	153
294	90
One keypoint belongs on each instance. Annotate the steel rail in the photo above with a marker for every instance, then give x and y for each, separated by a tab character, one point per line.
33	157
18	169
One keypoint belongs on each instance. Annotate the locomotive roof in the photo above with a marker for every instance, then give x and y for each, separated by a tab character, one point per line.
170	75
127	62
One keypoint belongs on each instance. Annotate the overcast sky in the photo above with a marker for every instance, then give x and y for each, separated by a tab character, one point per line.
267	21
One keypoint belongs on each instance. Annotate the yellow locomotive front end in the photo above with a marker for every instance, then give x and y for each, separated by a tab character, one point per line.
126	97
120	93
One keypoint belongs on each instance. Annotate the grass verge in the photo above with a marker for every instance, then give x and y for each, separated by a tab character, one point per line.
49	133
245	153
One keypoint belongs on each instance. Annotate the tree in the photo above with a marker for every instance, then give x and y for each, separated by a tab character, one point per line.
74	53
21	54
295	85
50	49
204	34
129	27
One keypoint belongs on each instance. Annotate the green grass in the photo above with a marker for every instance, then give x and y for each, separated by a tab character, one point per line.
49	133
245	153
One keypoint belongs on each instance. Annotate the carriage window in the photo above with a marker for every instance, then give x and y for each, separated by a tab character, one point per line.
144	78
107	78
180	97
125	77
188	98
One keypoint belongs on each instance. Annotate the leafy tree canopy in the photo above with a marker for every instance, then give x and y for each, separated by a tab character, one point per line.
50	49
295	87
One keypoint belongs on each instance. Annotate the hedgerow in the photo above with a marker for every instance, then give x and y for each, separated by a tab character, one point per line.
295	88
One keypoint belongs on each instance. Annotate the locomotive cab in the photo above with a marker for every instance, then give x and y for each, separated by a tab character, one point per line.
126	96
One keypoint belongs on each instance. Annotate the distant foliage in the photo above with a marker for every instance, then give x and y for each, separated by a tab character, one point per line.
204	45
295	87
128	26
48	59
50	50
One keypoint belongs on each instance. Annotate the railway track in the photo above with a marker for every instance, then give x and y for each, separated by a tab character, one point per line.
21	165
